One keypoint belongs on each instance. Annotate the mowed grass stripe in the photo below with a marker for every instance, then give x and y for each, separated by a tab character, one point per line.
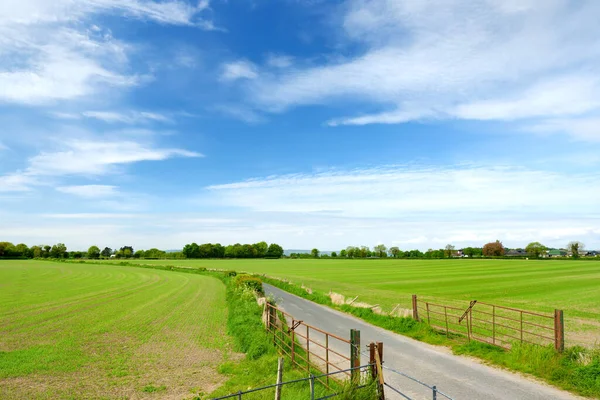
535	285
167	332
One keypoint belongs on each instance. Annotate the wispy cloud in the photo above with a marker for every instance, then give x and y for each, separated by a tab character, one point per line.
90	191
241	69
130	117
16	182
49	55
90	157
404	191
279	61
240	112
485	60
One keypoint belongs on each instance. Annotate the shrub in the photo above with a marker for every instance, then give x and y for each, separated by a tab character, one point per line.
249	282
230	273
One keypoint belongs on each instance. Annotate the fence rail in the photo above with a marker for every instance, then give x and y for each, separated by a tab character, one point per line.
310	347
493	324
311	379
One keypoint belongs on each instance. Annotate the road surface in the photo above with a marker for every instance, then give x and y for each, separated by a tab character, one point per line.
458	377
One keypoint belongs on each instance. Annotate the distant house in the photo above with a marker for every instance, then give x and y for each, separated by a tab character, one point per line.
557	253
516	253
459	253
593	253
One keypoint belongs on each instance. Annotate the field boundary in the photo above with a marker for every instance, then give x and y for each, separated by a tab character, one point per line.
493	324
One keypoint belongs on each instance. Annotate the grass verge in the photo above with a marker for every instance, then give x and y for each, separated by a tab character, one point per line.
259	368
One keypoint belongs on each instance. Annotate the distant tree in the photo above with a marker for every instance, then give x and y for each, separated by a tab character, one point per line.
333	254
206	250
261	249
275	250
535	249
395	251
46	252
364	252
414	254
351	251
139	254
22	250
7	249
449	250
36	251
380	250
473	251
314	253
107	252
493	249
93	252
575	248
218	251
191	250
343	253
58	250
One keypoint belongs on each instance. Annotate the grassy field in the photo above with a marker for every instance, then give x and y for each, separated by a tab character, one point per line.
536	285
99	331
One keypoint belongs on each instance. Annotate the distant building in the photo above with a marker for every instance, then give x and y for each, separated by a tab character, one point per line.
516	253
557	253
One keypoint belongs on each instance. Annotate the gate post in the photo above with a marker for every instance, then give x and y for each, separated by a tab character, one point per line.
355	355
559	331
414	307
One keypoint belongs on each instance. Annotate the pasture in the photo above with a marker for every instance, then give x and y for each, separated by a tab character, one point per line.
536	285
103	331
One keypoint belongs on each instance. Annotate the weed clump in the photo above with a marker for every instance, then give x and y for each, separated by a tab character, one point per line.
250	282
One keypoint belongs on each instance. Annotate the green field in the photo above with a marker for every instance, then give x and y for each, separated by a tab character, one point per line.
536	285
101	331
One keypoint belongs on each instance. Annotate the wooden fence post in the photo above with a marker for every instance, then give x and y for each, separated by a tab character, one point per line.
355	355
378	363
559	331
415	308
372	360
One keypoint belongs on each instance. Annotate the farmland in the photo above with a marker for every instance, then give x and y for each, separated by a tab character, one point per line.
103	331
573	286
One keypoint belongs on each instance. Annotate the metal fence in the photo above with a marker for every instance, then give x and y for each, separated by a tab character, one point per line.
310	347
311	381
493	324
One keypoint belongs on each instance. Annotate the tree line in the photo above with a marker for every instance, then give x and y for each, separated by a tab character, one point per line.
60	251
256	250
193	250
574	249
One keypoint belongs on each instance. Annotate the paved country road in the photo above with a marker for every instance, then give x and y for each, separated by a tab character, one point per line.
458	377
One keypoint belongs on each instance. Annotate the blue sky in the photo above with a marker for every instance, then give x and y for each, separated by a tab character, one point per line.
306	123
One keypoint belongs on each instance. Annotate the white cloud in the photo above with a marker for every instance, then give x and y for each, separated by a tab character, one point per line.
116	117
132	117
98	157
404	191
279	61
238	70
16	182
483	60
584	128
90	157
90	191
239	112
47	55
